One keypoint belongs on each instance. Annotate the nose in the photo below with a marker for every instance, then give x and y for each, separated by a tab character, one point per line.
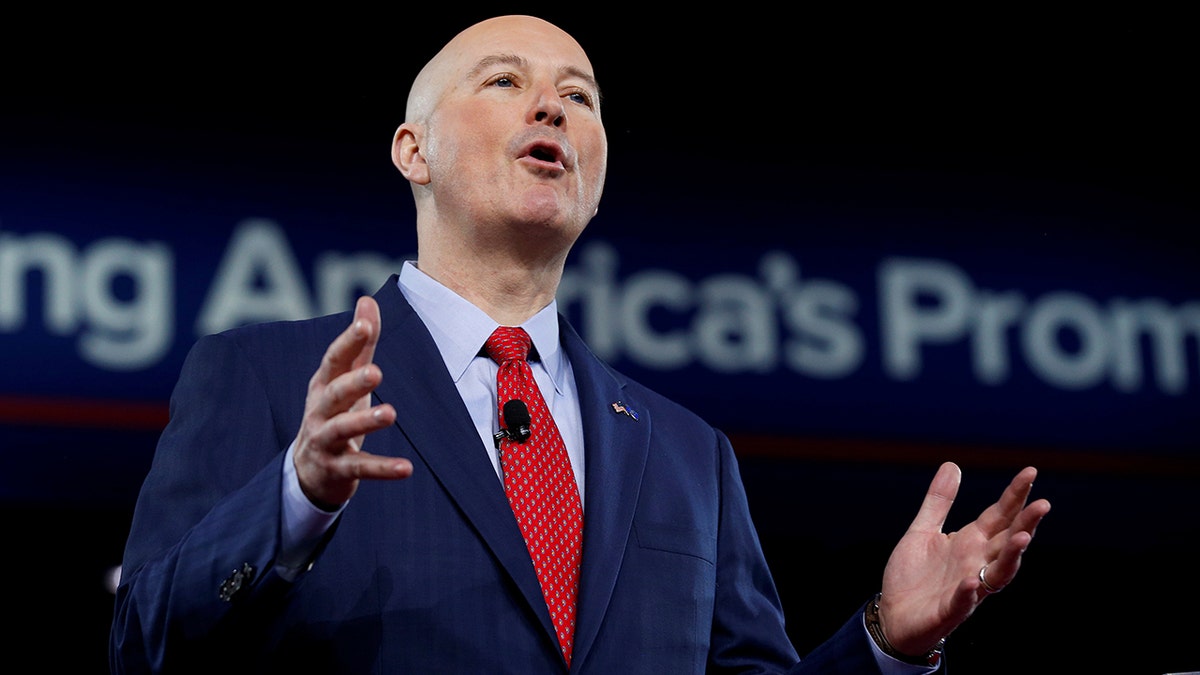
549	108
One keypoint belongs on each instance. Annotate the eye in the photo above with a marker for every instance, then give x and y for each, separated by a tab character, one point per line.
504	81
580	97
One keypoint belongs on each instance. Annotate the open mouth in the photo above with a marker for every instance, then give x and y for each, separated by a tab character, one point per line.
547	152
543	154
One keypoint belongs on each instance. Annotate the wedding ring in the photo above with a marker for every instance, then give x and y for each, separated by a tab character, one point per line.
983	580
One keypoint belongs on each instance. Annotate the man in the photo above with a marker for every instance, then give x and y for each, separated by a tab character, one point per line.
357	520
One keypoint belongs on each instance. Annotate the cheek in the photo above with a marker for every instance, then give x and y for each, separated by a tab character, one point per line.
449	145
451	162
596	169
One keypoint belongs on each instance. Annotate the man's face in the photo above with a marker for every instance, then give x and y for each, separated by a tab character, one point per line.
515	134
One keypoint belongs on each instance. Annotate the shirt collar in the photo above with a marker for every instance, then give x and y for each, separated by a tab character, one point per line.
459	328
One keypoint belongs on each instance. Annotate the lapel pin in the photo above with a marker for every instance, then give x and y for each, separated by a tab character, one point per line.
620	409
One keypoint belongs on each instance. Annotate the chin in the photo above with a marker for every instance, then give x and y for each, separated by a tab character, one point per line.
543	210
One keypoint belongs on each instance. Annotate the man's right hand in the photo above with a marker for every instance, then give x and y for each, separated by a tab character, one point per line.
338	415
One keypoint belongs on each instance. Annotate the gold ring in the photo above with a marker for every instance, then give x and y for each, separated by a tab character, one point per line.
983	580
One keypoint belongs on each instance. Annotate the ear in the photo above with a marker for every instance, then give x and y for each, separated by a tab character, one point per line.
406	154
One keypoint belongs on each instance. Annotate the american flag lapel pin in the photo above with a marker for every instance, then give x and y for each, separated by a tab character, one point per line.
620	409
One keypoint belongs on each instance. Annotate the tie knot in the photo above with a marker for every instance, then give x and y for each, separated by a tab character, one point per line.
508	343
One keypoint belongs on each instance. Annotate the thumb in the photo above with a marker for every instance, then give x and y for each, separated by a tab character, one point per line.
938	499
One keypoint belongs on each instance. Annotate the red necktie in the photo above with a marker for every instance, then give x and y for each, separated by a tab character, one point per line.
540	485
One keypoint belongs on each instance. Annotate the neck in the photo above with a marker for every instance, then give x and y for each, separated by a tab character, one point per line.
509	290
508	267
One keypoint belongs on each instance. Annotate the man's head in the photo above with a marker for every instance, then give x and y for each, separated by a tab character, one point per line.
503	138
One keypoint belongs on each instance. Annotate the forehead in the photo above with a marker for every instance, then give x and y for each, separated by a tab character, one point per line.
520	43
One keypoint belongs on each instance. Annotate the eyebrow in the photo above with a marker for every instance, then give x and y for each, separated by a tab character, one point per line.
520	63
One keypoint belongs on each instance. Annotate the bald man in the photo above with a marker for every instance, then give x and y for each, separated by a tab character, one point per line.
333	495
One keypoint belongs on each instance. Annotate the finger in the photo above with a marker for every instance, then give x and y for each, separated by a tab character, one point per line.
329	480
345	392
938	499
365	466
1032	515
1007	561
1000	571
354	346
366	310
336	434
1004	513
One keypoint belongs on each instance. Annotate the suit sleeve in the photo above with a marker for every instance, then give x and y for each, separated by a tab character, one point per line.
205	530
748	621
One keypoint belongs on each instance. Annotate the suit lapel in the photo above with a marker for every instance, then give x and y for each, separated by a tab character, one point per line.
431	415
615	448
433	419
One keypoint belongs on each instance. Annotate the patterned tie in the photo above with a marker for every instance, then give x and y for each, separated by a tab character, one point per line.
540	485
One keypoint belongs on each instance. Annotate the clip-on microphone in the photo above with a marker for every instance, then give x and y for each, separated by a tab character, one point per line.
516	418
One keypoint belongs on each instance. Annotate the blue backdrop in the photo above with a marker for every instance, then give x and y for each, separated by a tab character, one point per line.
859	253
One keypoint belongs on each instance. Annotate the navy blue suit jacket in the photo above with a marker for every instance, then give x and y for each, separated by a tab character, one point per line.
430	574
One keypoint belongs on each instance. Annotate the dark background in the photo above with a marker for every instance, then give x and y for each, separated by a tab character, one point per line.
1064	137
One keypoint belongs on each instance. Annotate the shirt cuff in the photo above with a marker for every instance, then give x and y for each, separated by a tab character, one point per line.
889	665
303	523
